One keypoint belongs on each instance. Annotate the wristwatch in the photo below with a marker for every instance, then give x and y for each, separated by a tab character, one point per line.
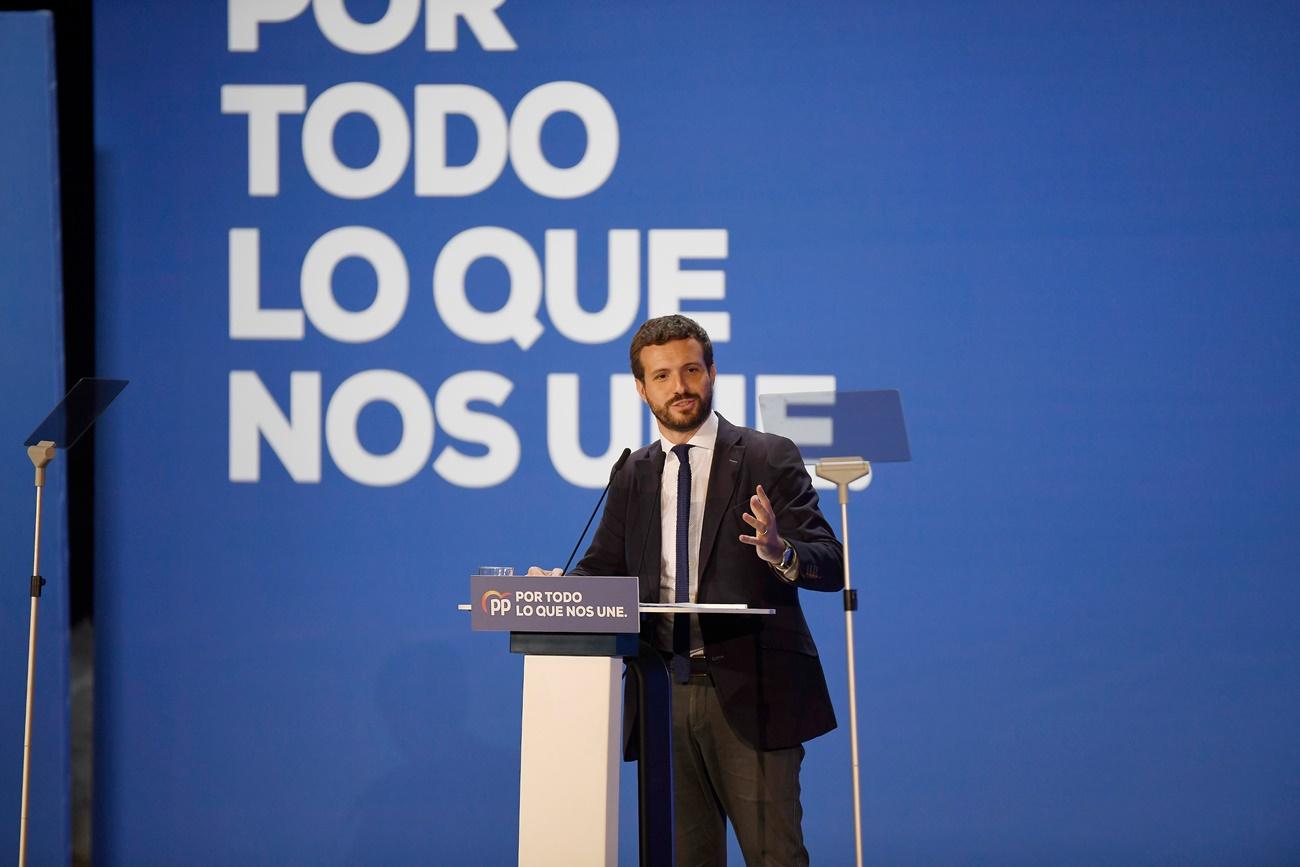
787	557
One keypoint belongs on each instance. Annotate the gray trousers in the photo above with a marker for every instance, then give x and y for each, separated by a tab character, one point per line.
717	776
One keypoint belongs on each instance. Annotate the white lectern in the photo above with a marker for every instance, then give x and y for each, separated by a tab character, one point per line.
573	715
569	756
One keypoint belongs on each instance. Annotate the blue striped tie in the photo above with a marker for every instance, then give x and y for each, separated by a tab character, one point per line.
682	622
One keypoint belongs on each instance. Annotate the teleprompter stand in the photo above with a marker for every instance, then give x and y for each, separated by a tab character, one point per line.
867	423
61	429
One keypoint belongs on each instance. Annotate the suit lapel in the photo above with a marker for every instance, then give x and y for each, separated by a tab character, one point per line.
728	453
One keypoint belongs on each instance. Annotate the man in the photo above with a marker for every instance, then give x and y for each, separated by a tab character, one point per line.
712	512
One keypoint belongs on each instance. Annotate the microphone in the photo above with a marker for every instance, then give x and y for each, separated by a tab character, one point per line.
618	465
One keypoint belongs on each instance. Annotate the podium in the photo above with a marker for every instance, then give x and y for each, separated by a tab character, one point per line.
570	750
573	632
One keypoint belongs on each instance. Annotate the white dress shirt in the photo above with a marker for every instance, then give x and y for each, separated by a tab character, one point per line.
701	457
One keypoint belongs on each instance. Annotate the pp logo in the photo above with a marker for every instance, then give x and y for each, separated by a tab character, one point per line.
495	602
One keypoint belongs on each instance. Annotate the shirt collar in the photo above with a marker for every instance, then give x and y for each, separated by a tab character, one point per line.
705	438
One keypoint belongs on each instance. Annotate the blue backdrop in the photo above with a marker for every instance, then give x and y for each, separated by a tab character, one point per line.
31	358
1068	233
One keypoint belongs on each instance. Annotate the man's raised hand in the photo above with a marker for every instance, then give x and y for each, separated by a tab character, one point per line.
766	540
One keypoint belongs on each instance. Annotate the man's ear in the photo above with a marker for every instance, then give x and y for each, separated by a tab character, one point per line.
713	372
640	389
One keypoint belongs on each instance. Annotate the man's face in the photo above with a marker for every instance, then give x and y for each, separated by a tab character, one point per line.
677	386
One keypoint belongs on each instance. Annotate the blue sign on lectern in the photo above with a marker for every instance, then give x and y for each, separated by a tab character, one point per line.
566	603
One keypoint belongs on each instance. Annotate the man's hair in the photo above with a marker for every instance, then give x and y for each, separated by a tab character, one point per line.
664	329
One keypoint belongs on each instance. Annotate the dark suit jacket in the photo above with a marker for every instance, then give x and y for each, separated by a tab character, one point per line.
765	668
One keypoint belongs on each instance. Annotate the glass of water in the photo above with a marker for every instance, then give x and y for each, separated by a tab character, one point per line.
497	571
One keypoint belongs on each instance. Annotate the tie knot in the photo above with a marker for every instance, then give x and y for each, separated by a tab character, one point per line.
680	450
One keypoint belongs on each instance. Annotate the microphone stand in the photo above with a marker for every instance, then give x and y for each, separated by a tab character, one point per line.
842	471
618	465
41	454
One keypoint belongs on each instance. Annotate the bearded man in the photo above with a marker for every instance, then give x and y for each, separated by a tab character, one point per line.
712	512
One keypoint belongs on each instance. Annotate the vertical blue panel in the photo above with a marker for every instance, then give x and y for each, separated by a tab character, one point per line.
1068	232
31	383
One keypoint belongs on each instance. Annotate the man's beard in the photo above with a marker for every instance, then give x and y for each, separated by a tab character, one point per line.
675	421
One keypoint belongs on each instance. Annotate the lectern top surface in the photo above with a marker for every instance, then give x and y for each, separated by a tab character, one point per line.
76	412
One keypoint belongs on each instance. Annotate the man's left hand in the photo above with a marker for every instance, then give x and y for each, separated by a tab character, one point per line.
766	540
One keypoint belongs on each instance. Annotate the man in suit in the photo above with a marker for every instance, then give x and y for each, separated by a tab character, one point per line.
712	512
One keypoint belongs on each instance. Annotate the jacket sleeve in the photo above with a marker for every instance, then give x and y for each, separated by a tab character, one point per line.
801	522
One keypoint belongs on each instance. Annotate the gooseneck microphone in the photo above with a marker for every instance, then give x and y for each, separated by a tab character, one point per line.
618	465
